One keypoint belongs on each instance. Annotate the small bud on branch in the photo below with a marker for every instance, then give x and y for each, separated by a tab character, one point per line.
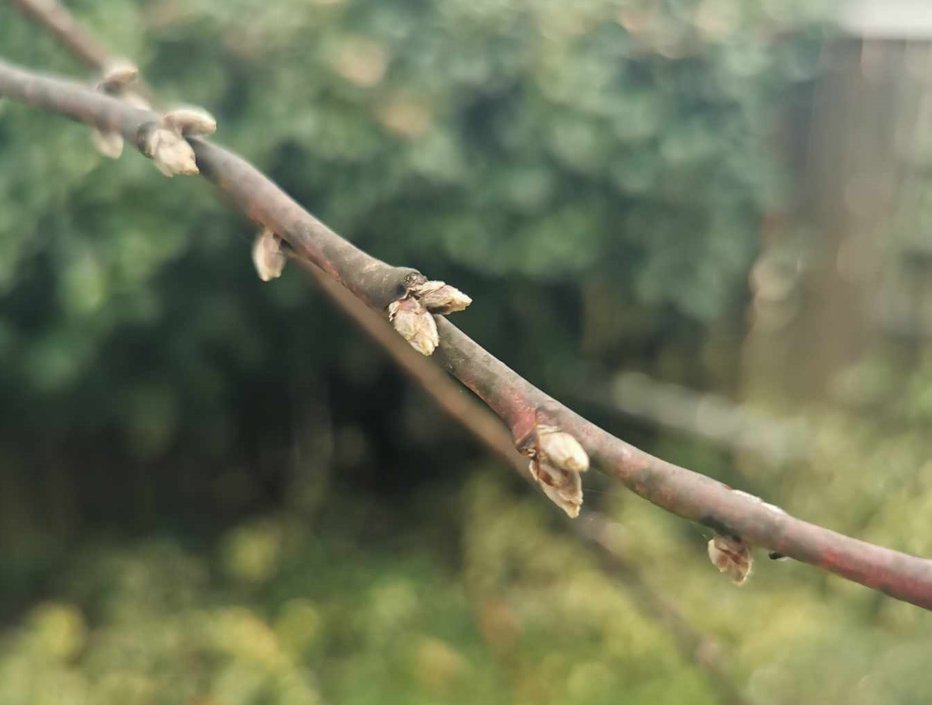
557	458
415	324
170	151
562	487
412	314
109	144
561	449
732	556
440	297
164	142
189	121
268	255
117	75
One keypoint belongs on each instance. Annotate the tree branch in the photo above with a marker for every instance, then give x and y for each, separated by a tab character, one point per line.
522	406
595	530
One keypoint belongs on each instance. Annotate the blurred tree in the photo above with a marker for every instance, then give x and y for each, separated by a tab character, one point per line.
599	170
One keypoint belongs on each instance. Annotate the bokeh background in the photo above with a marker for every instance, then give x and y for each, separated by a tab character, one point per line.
706	224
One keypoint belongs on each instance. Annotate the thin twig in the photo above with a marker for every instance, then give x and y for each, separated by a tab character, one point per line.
522	406
478	420
694	646
595	529
457	403
59	22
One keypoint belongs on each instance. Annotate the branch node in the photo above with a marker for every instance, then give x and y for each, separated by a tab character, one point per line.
169	150
557	459
412	313
115	77
415	324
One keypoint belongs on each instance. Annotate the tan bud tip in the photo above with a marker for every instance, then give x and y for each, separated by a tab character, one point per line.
562	487
440	297
190	121
561	449
268	255
731	556
109	144
117	75
415	324
171	152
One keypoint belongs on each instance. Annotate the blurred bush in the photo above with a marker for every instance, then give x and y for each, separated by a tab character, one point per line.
594	173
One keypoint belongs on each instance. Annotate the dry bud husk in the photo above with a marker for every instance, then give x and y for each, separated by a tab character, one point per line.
190	121
171	152
268	255
731	556
415	324
562	487
561	449
440	297
109	144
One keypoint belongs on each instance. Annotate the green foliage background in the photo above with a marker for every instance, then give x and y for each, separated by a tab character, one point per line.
216	492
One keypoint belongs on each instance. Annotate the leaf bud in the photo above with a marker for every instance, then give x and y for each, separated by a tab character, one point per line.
170	151
117	75
189	121
109	143
415	324
268	255
562	487
561	449
440	297
732	556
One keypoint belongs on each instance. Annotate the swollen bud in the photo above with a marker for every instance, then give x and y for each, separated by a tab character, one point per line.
732	556
440	297
109	144
117	75
170	151
268	255
562	487
189	121
557	458
561	449
415	324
